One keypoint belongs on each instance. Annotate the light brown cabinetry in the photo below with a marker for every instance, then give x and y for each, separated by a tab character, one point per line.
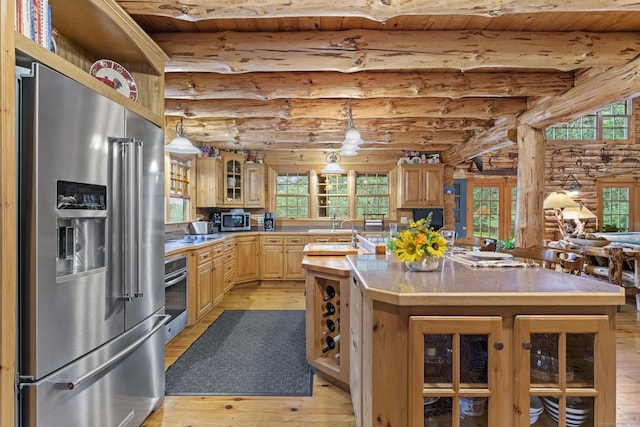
458	370
336	238
209	272
293	254
480	366
247	254
327	323
420	186
207	182
204	281
229	263
218	272
271	257
99	29
232	180
281	256
254	185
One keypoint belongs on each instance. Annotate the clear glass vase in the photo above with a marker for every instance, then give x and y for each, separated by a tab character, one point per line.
428	263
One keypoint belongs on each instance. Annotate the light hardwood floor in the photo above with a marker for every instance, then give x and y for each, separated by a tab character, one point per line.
330	406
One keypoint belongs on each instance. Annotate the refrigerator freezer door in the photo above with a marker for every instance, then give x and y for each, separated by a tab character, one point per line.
107	387
64	129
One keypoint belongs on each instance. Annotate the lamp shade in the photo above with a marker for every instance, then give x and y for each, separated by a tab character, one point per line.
332	167
581	212
559	200
181	145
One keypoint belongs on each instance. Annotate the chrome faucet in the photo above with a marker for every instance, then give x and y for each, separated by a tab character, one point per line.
353	232
333	222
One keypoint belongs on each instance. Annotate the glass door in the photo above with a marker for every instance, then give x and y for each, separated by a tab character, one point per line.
562	357
453	366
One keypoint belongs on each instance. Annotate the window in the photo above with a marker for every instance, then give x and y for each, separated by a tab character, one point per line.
609	123
333	196
618	204
292	195
493	210
179	198
372	194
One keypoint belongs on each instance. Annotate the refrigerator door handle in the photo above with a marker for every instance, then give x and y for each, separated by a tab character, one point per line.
127	189
72	384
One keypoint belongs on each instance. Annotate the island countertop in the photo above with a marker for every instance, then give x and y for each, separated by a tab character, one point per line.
386	279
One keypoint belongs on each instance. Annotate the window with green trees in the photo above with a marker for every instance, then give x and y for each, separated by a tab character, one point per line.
292	195
615	208
333	196
179	197
609	123
372	194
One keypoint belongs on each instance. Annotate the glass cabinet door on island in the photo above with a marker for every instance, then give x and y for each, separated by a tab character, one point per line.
564	360
453	370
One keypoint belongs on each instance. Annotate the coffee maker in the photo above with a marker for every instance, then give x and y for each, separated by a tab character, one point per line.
269	221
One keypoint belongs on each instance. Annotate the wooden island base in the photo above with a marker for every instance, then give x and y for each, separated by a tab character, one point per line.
422	346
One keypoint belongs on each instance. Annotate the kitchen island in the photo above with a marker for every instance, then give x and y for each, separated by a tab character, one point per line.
473	346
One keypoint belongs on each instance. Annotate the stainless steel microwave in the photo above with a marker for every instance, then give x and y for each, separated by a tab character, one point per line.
230	221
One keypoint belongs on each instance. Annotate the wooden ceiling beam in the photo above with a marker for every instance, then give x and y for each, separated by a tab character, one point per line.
361	50
481	143
371	139
382	108
376	11
368	84
595	92
261	124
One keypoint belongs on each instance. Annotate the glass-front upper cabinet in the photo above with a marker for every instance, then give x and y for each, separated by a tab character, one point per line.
233	179
560	356
453	369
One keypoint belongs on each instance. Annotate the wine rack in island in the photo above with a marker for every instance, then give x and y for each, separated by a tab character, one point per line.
327	305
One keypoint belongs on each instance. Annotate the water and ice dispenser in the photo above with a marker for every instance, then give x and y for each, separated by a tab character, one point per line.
81	228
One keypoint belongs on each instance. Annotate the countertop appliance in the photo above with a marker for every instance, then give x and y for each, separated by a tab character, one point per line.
236	220
175	294
269	221
90	266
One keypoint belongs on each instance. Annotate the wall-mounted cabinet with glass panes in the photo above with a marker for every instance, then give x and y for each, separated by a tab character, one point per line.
333	196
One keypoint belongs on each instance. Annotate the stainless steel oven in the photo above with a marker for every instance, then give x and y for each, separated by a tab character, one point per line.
175	294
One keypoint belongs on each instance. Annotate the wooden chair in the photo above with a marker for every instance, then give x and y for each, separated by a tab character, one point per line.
571	262
484	243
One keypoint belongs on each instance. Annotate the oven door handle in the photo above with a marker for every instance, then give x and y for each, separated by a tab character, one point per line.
179	278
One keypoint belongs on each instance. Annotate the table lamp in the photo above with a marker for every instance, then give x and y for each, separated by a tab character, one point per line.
558	201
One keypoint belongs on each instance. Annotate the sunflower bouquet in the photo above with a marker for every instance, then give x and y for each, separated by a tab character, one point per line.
419	240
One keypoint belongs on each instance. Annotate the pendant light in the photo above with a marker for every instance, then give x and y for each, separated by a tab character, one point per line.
332	164
352	138
180	144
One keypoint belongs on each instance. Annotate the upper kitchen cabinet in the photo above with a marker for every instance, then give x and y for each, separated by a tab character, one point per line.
207	181
254	185
420	185
233	180
89	30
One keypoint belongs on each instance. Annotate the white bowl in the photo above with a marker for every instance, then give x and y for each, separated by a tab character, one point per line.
535	405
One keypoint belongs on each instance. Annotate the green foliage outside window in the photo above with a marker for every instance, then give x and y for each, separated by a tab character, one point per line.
486	205
609	123
372	194
615	207
292	195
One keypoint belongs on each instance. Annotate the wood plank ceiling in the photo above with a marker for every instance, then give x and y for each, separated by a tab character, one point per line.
446	76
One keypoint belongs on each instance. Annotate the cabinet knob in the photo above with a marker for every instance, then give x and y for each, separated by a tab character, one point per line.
499	346
526	345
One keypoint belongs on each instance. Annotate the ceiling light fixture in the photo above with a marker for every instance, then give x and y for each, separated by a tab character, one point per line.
180	144
333	166
352	137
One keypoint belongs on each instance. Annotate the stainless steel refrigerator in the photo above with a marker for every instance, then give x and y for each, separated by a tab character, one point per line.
91	279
